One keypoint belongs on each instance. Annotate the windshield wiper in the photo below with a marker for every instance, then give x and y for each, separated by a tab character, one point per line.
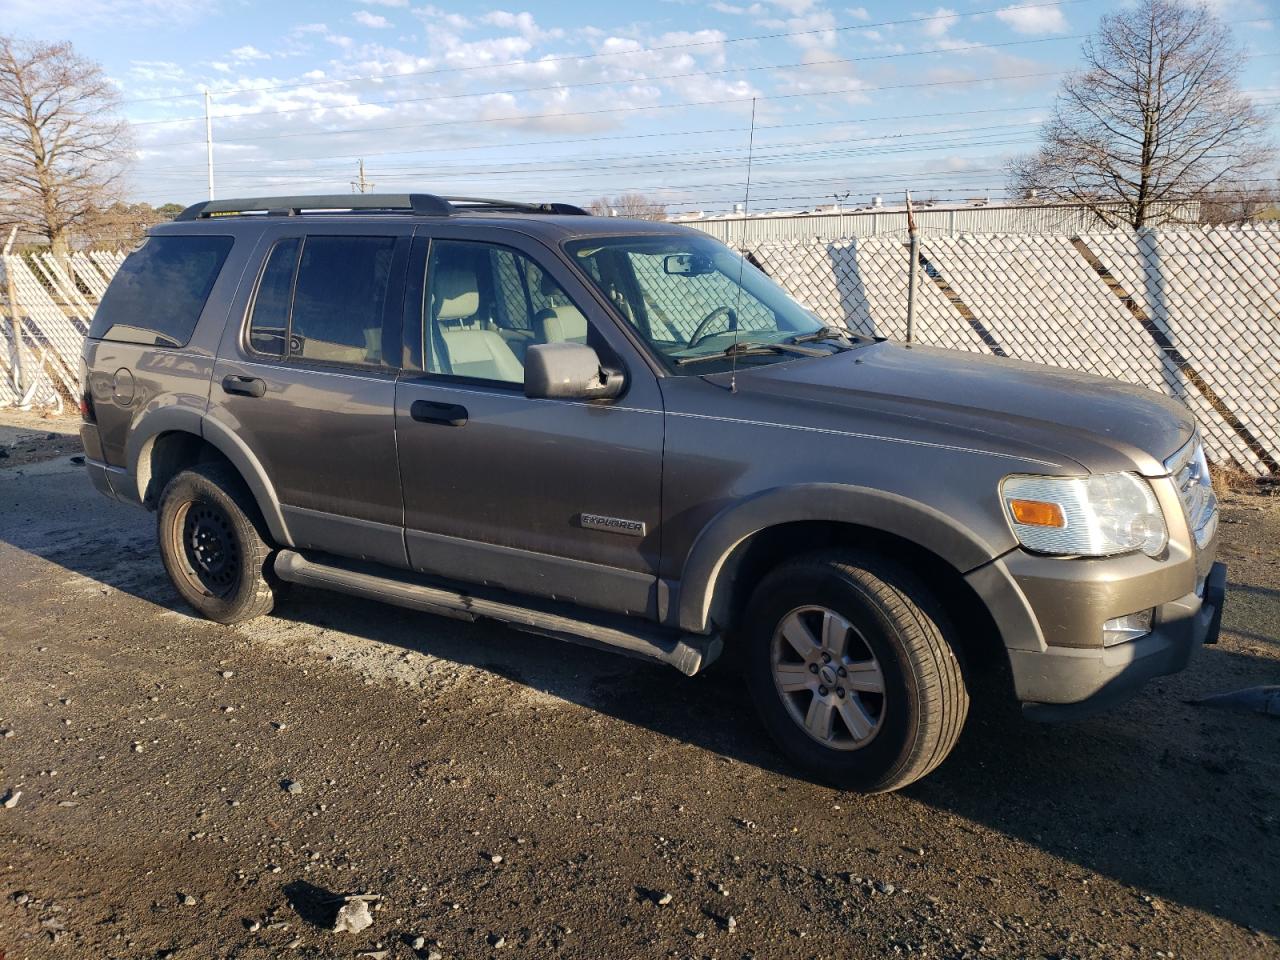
752	348
823	333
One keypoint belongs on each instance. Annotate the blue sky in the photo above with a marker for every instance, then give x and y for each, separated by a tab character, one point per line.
570	101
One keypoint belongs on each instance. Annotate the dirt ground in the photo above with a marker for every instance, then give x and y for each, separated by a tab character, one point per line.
193	791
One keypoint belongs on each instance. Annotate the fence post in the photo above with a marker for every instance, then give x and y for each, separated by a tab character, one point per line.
15	324
913	248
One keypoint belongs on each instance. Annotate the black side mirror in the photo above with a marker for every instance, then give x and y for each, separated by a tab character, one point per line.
568	371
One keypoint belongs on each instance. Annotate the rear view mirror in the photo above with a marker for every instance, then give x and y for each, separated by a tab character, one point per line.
568	371
687	265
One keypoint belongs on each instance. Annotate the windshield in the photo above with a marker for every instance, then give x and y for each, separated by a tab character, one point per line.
684	297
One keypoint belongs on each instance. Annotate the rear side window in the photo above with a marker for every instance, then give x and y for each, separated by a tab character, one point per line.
327	304
340	298
159	291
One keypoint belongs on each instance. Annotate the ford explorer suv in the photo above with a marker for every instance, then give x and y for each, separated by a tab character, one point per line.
623	434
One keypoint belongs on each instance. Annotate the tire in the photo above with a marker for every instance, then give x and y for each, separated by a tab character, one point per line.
214	544
893	636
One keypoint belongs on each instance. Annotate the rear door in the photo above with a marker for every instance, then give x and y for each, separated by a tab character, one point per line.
547	497
305	379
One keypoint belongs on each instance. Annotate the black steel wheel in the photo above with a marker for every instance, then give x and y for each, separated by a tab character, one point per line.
214	544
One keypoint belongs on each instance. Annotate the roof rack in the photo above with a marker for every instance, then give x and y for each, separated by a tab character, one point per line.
416	204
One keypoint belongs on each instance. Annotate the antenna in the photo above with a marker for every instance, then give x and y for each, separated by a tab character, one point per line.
742	254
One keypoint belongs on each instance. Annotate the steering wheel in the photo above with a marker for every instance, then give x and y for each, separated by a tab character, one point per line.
699	332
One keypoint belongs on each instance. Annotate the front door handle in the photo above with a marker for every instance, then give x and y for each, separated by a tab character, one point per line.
428	411
244	386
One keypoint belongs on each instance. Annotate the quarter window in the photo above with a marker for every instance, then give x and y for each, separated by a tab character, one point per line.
159	292
269	325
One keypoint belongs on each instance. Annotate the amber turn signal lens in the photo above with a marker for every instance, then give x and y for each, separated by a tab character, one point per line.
1037	513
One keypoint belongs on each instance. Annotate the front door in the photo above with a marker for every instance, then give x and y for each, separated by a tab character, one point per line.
547	497
305	380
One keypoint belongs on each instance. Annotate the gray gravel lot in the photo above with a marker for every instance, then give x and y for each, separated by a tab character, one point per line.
192	790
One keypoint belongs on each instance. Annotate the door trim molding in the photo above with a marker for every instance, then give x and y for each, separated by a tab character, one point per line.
538	574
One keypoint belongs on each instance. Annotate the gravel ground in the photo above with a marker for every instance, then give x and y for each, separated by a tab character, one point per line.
189	790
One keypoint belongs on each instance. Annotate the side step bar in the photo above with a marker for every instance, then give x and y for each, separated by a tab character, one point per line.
688	653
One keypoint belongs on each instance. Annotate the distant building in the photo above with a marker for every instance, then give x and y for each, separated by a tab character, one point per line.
932	219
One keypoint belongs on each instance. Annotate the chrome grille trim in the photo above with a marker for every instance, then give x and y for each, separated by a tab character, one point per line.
1189	471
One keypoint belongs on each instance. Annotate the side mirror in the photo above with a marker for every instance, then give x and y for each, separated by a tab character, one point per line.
568	371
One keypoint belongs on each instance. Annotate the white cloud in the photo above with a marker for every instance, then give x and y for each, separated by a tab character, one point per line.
522	23
387	3
111	13
1033	20
371	20
939	22
433	16
794	7
247	53
858	13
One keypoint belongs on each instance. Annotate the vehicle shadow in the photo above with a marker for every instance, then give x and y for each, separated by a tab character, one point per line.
1178	801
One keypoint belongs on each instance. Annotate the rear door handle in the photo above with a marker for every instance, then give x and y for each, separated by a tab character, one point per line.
428	411
244	386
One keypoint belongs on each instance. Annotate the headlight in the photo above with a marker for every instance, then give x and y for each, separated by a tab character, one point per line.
1095	516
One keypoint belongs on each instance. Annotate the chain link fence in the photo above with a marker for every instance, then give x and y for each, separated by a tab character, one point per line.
1192	312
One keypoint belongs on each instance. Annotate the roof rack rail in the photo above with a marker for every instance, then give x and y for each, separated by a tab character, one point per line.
416	204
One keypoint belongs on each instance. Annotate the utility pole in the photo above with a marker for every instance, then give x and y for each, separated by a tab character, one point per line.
361	185
913	247
208	139
15	321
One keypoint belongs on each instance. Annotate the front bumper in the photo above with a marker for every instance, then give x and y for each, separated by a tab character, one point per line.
1061	683
1050	614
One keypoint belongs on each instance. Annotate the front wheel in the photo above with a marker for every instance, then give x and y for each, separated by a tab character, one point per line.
850	669
214	545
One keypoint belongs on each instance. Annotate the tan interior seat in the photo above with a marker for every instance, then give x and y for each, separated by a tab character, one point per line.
561	320
556	324
474	351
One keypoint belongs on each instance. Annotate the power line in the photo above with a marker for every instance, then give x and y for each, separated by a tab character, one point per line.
597	158
629	109
643	108
507	145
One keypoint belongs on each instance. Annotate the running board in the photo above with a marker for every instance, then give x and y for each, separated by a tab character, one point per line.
688	653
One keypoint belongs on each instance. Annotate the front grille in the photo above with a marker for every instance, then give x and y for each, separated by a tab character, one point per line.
1190	472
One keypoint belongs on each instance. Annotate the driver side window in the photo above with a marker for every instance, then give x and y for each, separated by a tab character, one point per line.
486	305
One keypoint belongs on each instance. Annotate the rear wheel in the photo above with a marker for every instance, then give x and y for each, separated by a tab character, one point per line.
214	545
851	671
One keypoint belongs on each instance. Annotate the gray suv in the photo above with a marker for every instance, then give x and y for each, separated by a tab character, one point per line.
623	434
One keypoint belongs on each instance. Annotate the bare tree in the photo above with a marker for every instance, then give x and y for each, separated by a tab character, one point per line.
63	147
124	224
1241	203
635	206
1155	116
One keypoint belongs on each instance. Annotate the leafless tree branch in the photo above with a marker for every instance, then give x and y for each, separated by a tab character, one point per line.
63	145
1155	117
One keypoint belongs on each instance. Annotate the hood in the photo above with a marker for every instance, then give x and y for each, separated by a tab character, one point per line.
989	402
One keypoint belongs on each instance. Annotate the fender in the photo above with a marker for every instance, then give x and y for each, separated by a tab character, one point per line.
190	419
839	503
